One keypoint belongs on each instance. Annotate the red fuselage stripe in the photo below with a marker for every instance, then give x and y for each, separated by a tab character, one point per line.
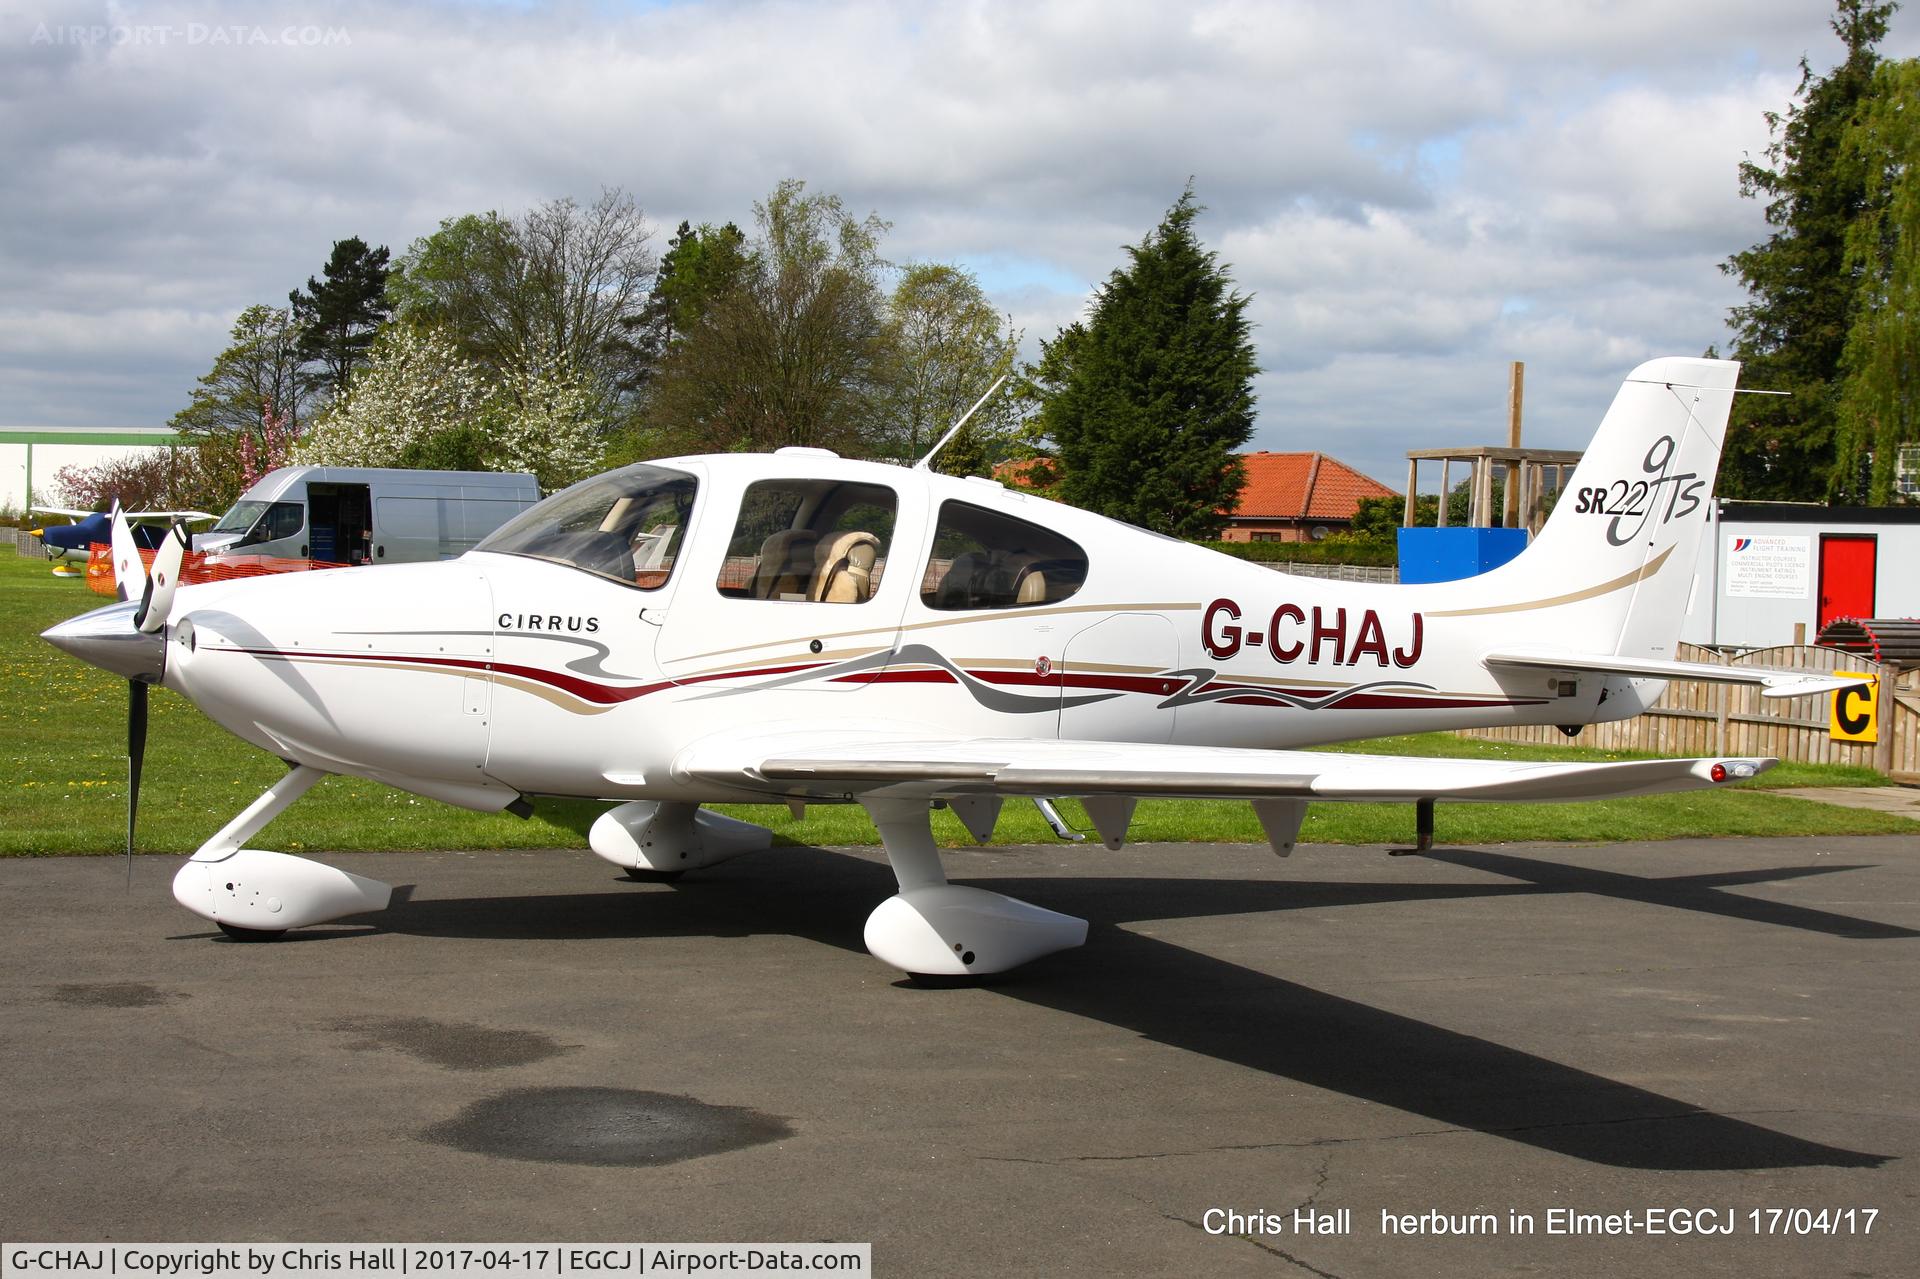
613	695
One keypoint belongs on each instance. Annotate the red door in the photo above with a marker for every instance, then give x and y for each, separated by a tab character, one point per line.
1846	576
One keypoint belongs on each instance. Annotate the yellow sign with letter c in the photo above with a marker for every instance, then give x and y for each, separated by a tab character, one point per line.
1856	709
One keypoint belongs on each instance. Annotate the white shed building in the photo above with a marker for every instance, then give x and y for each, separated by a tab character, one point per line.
1766	568
30	456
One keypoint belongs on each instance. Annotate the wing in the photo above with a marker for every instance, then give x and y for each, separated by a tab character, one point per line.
191	517
1774	681
853	762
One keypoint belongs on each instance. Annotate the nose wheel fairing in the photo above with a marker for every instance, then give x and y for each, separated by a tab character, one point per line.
264	891
255	890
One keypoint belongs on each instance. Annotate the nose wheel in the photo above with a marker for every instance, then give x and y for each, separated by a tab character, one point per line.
641	875
254	895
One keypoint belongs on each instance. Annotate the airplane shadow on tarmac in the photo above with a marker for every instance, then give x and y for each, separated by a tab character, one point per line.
1192	1001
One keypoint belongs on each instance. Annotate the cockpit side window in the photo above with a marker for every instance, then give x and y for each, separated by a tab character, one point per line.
983	559
626	525
822	541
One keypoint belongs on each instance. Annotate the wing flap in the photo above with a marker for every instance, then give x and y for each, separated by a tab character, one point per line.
1774	681
785	764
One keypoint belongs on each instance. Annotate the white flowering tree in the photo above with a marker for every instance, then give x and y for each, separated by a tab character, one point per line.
549	424
416	386
419	402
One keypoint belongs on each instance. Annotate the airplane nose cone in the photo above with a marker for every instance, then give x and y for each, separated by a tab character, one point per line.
107	638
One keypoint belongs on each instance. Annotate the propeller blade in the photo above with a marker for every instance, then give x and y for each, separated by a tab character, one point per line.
162	582
136	753
129	574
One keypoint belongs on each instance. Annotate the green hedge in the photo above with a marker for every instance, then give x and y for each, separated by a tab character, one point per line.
1335	550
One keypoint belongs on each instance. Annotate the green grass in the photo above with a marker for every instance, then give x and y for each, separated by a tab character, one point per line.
63	743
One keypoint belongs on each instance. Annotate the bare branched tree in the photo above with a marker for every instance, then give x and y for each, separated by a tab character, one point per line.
562	285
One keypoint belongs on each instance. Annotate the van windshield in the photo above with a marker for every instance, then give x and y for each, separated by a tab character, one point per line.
264	521
626	525
241	518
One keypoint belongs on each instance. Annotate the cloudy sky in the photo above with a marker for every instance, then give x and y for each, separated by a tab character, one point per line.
1415	194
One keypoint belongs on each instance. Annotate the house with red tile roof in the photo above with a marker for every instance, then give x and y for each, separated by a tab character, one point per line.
1288	497
1297	497
1035	474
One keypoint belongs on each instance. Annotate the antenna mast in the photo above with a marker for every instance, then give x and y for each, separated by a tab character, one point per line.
926	462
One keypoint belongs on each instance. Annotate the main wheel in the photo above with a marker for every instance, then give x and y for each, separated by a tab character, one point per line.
238	933
639	876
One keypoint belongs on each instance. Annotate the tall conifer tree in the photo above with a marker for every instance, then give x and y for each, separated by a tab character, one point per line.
339	315
1792	334
1879	406
1147	402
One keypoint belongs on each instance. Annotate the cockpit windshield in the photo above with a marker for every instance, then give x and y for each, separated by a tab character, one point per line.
626	525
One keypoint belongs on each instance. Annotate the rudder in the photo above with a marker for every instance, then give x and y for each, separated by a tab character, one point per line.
1626	530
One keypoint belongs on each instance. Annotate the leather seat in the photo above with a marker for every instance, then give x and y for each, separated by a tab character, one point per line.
1030	587
843	568
786	564
960	587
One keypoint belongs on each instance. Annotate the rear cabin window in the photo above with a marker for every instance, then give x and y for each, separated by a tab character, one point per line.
817	541
983	559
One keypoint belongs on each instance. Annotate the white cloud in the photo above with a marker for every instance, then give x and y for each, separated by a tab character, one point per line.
1414	194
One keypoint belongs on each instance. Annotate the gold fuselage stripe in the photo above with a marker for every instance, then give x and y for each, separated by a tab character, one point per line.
1592	592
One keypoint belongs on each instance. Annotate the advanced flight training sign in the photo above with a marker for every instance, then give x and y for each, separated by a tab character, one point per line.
1855	716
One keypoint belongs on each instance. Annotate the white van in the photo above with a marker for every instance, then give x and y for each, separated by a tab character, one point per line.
365	515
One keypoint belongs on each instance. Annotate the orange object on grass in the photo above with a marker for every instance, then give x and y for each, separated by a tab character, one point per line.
195	568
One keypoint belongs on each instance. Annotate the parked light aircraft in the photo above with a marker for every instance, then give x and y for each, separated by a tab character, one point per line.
67	542
803	628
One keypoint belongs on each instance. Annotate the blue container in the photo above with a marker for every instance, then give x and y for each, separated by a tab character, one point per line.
1449	554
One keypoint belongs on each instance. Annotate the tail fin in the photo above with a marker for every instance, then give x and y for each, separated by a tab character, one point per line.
1614	565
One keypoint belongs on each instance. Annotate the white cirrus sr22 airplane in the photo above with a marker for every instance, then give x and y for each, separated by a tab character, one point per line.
802	628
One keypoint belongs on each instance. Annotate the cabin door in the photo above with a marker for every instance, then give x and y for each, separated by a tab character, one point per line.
801	588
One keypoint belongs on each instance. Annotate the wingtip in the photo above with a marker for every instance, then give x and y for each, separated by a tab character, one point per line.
1808	684
1731	769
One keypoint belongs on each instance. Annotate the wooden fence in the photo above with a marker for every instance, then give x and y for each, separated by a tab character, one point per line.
1336	572
1696	718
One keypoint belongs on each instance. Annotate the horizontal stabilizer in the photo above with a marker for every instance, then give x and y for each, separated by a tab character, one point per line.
1774	681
